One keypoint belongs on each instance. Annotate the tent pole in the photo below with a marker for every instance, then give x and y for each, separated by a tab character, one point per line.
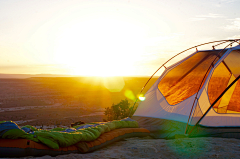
214	103
170	60
196	97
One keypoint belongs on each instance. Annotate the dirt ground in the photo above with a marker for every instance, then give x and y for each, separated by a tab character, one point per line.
50	116
200	148
47	101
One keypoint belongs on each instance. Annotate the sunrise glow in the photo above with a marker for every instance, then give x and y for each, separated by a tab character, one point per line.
106	38
109	50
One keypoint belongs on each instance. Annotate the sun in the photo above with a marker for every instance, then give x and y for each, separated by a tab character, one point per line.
99	47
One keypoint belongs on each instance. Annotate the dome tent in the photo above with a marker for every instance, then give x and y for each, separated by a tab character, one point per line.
197	96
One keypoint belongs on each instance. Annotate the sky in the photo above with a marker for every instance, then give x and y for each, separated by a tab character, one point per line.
107	37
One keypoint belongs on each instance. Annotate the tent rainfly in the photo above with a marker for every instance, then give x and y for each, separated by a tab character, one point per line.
197	96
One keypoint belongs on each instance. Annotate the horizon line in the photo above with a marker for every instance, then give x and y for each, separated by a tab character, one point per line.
5	75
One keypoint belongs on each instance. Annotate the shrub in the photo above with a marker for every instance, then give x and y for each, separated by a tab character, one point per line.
119	111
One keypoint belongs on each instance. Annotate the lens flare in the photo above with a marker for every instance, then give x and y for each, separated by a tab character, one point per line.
114	84
129	94
141	98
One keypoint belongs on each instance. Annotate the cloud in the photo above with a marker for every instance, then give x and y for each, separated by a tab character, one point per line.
235	24
228	1
223	3
204	17
211	15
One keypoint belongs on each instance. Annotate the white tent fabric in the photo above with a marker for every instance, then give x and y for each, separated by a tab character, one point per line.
156	104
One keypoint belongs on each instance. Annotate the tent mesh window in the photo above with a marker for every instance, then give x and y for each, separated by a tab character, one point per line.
185	79
217	84
225	73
